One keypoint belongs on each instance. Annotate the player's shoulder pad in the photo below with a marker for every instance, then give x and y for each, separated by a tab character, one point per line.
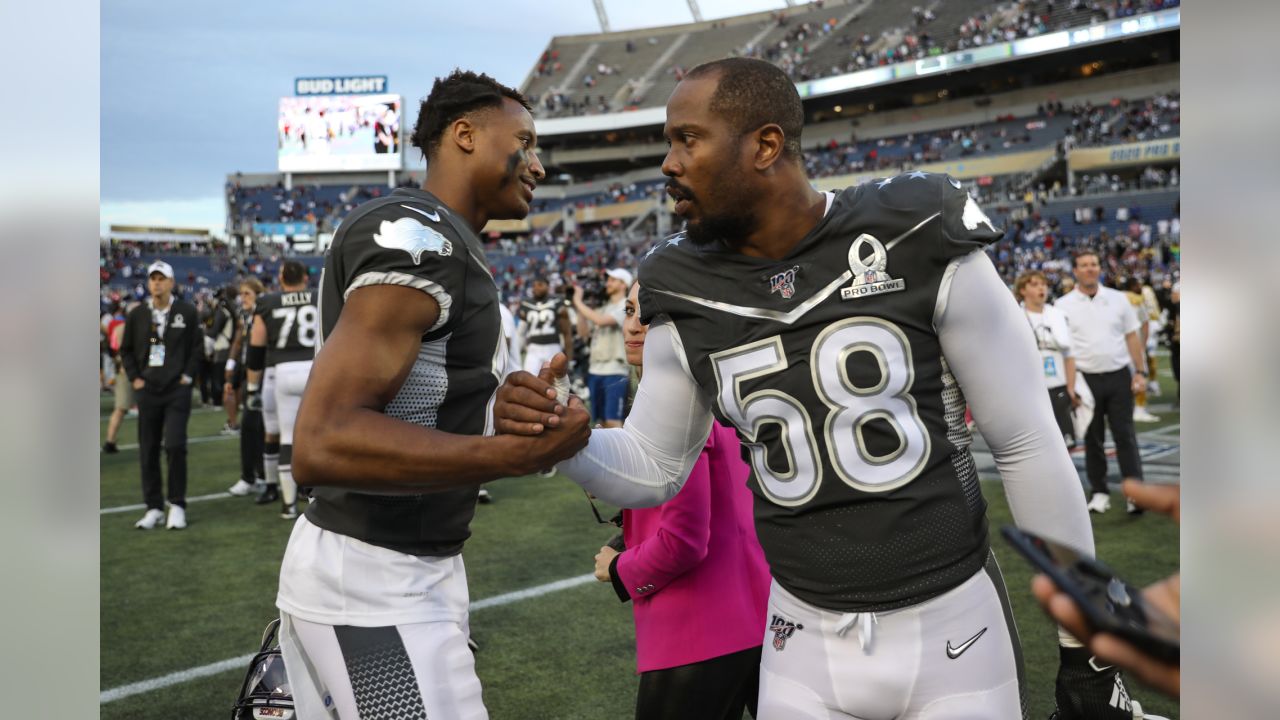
673	264
397	224
266	303
964	224
405	236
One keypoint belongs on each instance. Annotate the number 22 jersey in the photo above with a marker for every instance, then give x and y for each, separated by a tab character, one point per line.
828	364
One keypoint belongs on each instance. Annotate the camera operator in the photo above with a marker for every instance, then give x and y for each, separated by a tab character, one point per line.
608	375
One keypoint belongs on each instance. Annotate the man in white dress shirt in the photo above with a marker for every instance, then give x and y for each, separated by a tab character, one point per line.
1109	353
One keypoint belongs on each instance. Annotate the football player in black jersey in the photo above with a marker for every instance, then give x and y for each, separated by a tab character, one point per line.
544	326
283	343
394	434
841	334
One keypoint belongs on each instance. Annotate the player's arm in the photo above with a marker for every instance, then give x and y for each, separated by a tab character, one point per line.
345	440
255	360
645	462
991	351
237	337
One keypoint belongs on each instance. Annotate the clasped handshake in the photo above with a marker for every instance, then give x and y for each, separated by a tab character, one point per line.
528	406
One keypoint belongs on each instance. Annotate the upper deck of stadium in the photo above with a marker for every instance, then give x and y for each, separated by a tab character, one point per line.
615	77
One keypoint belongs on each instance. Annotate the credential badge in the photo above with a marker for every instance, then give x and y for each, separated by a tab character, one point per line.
869	276
784	283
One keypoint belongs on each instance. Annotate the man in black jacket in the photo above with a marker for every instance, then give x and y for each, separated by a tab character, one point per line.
161	350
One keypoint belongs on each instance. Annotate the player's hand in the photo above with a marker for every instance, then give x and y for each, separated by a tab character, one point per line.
603	560
1165	595
184	380
253	400
577	293
137	384
526	405
562	442
1075	399
1138	383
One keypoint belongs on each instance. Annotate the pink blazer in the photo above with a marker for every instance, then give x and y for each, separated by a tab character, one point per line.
693	566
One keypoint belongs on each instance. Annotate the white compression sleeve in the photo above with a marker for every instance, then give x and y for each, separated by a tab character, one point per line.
646	462
990	349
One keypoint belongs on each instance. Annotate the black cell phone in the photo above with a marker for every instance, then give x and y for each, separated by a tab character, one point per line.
1108	603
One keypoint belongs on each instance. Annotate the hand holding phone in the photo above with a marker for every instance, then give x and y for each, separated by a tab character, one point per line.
1107	602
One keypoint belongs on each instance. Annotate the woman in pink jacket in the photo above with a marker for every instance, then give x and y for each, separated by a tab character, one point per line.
698	581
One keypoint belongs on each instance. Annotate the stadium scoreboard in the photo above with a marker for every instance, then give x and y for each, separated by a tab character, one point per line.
340	124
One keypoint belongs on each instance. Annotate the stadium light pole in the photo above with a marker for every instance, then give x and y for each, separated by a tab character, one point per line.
693	8
604	16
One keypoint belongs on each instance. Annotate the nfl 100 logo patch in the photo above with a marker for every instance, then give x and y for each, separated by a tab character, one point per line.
784	283
782	630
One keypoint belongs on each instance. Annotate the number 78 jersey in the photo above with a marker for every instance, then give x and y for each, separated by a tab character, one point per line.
293	324
828	365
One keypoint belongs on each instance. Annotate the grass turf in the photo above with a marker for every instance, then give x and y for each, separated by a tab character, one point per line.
178	600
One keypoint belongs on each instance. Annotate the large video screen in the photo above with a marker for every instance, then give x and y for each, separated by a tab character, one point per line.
324	133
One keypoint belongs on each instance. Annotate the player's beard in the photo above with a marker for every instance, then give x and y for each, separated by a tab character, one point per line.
730	228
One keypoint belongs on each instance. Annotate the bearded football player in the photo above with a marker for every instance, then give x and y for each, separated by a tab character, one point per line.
842	334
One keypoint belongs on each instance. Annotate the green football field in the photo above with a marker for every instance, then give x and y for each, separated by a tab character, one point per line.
179	609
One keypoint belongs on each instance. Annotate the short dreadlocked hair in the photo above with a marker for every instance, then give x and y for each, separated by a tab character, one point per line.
451	98
753	93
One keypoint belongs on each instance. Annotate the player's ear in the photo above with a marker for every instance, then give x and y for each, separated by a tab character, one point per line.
769	143
463	134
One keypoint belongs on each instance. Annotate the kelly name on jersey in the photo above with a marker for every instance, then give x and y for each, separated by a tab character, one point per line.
828	365
293	324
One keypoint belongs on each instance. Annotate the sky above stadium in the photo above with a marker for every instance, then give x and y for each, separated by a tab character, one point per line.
190	91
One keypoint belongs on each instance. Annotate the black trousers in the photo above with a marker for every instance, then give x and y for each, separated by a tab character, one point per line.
163	416
251	441
716	689
1062	413
1113	404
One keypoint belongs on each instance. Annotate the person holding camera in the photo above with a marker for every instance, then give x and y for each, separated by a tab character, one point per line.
161	351
607	375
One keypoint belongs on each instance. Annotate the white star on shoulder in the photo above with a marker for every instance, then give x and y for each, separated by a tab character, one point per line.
675	240
880	185
919	174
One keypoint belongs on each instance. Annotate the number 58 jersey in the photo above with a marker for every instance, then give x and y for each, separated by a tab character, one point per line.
828	364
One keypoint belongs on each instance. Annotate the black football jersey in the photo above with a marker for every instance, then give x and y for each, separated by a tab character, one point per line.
828	365
543	317
293	325
409	238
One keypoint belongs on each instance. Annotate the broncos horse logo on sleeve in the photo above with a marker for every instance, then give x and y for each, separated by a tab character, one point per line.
412	237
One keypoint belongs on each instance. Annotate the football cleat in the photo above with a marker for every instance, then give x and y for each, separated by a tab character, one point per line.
1087	689
270	493
177	518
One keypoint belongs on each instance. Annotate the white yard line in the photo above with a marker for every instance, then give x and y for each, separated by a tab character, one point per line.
190	441
142	506
164	681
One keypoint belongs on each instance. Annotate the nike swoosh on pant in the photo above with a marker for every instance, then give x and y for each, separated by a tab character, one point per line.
955	652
